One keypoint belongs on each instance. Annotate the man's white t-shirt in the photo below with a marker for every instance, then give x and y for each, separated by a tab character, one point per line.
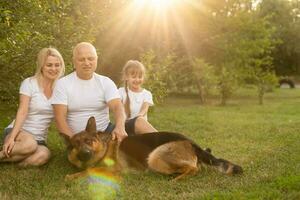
136	100
40	112
85	98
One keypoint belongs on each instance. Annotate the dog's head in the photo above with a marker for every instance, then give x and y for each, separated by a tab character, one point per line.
88	147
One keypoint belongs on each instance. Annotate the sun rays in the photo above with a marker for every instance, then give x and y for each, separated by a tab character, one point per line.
150	23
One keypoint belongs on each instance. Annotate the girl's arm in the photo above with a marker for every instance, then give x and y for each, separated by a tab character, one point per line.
144	109
19	121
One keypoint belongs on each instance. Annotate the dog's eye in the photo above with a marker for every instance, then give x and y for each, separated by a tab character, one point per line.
89	141
77	142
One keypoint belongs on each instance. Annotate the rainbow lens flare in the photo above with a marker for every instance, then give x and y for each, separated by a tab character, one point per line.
102	184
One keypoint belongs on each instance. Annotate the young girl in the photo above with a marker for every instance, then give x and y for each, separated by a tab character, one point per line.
136	99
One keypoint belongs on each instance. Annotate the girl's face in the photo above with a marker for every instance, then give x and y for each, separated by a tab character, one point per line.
51	68
135	81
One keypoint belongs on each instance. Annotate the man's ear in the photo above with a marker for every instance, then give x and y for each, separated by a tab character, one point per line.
91	125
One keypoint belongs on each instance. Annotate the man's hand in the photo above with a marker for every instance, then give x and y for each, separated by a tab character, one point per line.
117	108
119	134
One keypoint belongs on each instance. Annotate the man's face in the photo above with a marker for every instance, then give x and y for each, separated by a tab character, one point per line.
85	61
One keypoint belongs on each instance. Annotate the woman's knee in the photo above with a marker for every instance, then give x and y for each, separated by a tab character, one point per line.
42	156
28	143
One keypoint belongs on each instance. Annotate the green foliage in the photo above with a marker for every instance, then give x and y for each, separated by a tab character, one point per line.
204	77
259	65
180	78
156	72
285	16
263	80
26	26
241	42
227	78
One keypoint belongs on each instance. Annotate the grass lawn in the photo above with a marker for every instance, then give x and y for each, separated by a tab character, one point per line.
264	140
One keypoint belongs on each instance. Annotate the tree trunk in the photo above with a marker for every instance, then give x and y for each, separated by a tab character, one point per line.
261	93
201	92
223	96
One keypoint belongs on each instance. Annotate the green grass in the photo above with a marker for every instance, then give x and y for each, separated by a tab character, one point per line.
264	140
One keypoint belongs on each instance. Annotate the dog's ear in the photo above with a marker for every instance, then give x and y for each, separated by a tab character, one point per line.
104	136
67	139
91	125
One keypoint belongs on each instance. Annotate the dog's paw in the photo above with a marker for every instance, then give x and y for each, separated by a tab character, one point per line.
70	177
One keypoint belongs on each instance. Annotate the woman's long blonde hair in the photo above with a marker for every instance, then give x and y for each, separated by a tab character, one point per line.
132	67
41	59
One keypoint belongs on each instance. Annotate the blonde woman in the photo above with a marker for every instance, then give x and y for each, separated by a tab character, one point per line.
25	138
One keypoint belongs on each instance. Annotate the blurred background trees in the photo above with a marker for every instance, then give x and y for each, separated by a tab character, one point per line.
187	46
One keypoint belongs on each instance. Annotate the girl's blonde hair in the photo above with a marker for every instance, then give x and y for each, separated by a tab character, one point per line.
41	59
131	68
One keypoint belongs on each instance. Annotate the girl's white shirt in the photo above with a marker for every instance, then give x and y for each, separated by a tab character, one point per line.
40	111
136	100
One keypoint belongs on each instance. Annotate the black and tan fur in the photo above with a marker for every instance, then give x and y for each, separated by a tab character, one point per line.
163	152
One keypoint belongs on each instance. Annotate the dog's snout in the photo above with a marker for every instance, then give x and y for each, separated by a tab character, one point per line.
84	155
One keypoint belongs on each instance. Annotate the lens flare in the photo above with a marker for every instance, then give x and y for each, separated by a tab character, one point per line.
102	184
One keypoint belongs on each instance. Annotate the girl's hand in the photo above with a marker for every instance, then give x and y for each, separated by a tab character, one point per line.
8	145
140	115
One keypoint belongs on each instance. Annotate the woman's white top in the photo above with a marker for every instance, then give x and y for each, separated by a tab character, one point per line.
40	112
136	100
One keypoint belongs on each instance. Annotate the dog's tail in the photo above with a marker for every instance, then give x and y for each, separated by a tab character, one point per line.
224	166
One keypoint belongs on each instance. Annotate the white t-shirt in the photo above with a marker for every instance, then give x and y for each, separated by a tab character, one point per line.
136	100
40	112
85	98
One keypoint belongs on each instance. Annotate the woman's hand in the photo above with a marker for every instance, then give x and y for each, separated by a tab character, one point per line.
8	145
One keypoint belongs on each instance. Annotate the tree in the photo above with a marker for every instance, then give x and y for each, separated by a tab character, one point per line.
204	77
26	26
236	41
285	16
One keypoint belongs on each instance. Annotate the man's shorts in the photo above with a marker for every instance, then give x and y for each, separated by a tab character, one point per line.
129	126
8	130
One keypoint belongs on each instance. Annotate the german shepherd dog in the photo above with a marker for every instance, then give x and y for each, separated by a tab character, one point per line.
163	152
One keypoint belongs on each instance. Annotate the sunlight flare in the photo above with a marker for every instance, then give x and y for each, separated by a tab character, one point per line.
155	4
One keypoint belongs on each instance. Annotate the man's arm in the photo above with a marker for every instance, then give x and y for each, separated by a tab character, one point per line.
117	108
60	113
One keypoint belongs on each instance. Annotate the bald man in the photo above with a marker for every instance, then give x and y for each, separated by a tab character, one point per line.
83	94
